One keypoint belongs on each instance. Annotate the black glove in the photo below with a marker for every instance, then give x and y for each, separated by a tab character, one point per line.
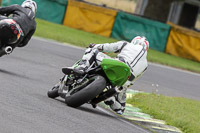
91	45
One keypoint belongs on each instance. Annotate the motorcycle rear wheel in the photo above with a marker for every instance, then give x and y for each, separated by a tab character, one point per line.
87	93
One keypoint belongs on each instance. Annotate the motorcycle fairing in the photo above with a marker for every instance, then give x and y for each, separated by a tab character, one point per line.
116	71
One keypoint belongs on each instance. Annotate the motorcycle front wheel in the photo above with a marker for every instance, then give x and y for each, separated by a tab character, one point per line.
94	88
53	92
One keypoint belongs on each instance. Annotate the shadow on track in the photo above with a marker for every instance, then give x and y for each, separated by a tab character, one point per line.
89	110
94	111
13	74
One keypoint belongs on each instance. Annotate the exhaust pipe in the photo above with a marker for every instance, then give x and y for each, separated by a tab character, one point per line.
5	50
8	49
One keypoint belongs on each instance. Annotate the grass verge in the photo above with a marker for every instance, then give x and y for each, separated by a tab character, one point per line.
179	112
68	35
80	38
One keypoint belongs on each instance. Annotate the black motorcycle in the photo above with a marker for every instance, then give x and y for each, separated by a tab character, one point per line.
98	83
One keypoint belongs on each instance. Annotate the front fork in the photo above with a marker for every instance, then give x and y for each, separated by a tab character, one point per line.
63	89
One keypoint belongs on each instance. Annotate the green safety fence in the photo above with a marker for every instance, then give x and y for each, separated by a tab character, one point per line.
50	10
127	26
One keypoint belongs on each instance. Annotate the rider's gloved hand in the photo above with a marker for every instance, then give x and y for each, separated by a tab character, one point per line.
96	46
91	45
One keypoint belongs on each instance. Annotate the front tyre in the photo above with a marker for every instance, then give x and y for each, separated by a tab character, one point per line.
96	86
53	93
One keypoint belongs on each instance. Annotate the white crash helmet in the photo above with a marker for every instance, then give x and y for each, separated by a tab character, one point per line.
30	4
141	40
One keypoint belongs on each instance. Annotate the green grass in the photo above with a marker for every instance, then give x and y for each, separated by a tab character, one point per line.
68	35
80	38
179	112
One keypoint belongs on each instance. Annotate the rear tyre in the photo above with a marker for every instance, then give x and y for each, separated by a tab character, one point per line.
53	93
96	86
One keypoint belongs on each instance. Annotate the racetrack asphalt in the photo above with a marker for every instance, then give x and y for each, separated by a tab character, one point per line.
170	82
28	73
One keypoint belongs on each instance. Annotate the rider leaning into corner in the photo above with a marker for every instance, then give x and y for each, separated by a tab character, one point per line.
17	24
133	53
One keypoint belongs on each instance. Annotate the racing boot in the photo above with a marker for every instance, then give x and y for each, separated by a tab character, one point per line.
117	103
79	70
83	65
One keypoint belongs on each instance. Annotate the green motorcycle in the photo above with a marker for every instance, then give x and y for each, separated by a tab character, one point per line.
97	84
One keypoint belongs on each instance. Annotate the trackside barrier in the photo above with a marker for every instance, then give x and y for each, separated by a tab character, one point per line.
127	26
50	10
90	18
178	41
184	43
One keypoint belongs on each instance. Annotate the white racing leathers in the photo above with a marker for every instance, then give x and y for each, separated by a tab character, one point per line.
133	55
